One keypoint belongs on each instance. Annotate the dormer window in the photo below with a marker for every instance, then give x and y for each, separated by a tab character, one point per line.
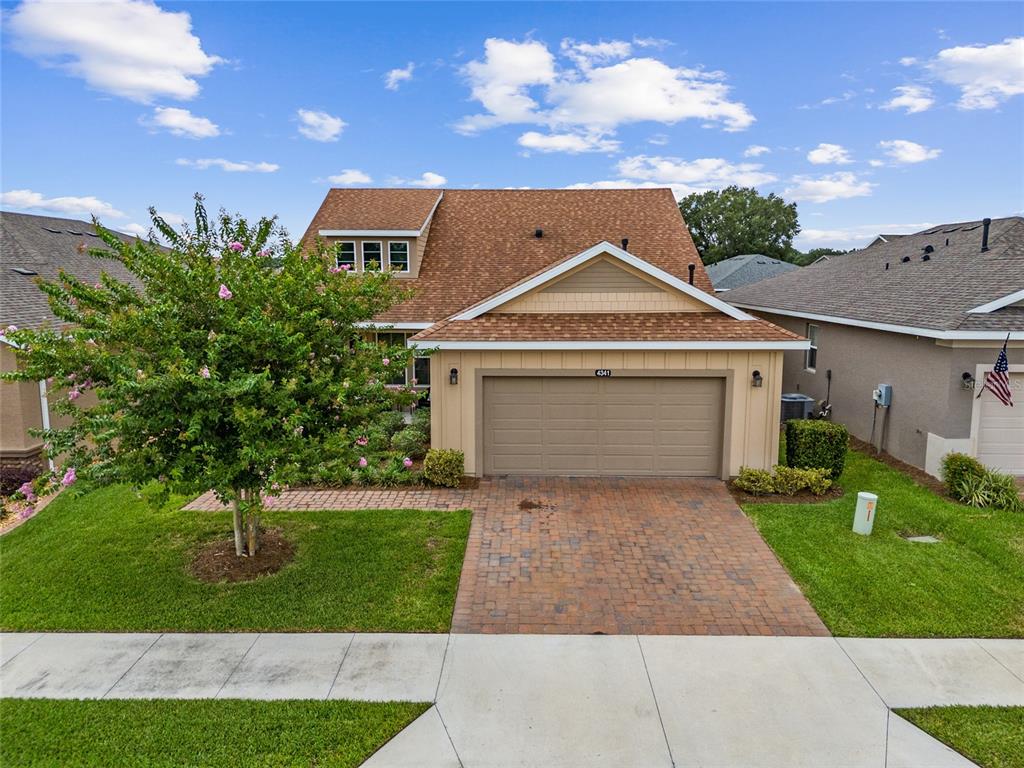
373	257
398	256
345	255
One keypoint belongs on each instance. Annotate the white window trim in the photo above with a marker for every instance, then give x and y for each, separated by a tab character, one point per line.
992	306
811	345
928	333
611	345
369	232
591	253
408	256
362	254
355	254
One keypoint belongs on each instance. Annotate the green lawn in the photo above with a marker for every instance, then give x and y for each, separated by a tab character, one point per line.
993	737
151	733
969	585
107	561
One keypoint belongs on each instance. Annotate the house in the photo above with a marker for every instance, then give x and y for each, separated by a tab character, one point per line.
569	332
738	271
925	313
32	247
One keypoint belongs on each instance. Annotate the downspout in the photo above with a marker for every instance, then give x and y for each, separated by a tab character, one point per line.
44	408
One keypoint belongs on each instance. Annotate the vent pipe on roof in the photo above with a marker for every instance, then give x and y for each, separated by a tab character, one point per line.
625	243
538	232
692	268
985	223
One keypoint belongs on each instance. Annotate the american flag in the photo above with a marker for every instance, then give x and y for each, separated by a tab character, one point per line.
998	382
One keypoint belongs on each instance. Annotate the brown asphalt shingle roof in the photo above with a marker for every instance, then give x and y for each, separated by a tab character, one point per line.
45	245
482	241
604	326
934	294
384	209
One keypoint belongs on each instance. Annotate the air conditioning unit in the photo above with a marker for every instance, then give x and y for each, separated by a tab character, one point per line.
797	406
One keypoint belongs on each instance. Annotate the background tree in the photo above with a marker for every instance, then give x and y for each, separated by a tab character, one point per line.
738	220
235	359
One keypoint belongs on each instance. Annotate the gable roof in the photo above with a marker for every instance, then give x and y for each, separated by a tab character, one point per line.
44	245
483	241
354	210
876	288
746	269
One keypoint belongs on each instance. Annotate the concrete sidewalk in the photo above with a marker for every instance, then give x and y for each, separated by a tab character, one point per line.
559	700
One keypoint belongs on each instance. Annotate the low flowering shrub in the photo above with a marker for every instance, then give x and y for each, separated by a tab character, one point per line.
444	467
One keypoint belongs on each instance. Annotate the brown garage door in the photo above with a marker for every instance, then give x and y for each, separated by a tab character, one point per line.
563	425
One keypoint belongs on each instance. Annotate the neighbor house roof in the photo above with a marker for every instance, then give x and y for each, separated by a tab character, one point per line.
746	269
893	286
604	327
482	241
40	246
354	210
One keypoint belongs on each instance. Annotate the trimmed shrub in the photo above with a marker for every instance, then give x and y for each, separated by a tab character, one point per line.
410	442
444	466
816	444
957	470
789	480
391	422
818	481
755	481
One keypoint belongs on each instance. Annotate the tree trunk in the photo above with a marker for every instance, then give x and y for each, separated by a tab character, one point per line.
237	522
255	503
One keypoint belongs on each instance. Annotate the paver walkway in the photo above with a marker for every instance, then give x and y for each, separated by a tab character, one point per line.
565	700
601	555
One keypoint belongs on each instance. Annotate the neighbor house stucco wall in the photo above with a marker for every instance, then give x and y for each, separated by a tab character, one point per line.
928	396
751	418
20	410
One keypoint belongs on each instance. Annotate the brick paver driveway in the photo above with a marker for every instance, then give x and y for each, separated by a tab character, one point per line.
612	555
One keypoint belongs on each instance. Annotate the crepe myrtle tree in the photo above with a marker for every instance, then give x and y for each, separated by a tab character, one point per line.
235	358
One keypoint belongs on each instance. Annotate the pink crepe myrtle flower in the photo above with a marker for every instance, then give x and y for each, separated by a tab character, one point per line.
346	267
204	372
334	270
264	253
74	394
386	361
362	461
407	462
225	292
26	511
8	329
27	491
363	440
236	246
69	477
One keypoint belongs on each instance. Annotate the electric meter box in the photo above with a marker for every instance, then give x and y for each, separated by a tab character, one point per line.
883	395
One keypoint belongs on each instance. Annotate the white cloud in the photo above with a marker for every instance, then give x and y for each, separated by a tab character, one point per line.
829	154
599	88
174	219
428	179
987	75
397	76
231	166
859	235
908	61
659	139
26	199
572	143
829	100
135	229
912	98
682	176
181	122
756	150
320	126
904	152
350	176
130	48
835	186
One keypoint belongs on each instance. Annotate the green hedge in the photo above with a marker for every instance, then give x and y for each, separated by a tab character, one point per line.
812	444
444	466
787	481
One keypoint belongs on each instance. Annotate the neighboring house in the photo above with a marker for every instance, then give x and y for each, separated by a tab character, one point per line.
32	247
926	313
743	270
574	332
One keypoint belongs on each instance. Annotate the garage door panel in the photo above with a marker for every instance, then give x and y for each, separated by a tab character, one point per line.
1001	429
603	426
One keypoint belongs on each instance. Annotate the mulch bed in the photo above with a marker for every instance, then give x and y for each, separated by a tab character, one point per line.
916	474
803	497
217	561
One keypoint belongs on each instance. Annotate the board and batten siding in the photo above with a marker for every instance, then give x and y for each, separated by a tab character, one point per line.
751	413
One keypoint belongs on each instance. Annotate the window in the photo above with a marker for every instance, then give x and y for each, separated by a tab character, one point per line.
811	355
346	255
372	257
421	371
398	257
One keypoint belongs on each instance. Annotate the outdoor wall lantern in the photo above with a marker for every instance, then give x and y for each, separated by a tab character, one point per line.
757	379
967	380
453	376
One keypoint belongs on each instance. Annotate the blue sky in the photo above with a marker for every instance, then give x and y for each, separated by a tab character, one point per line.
873	117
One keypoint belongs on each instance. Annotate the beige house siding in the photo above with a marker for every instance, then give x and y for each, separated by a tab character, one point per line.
751	414
20	410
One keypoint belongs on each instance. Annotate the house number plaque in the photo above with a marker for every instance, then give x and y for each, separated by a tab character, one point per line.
603	372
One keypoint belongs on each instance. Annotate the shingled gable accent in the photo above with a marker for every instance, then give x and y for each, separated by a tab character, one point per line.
552	273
